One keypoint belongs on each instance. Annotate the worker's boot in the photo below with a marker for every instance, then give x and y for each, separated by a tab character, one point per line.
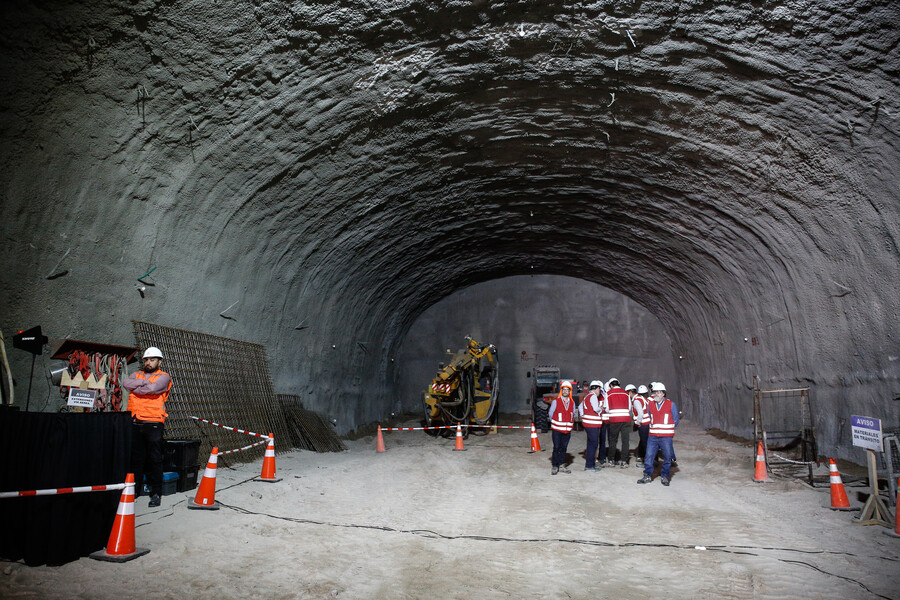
154	500
645	479
564	469
554	470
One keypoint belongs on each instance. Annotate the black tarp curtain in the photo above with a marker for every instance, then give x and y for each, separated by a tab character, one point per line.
54	450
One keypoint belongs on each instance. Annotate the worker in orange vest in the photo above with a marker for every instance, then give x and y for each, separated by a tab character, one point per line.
148	390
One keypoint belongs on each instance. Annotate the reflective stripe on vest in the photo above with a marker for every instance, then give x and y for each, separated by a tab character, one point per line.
661	423
590	418
563	419
619	406
149	407
645	420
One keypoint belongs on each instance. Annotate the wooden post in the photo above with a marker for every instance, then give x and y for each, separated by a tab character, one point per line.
874	511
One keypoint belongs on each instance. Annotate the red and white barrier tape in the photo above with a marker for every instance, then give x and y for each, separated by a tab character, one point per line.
71	490
244	448
230	428
418	428
454	427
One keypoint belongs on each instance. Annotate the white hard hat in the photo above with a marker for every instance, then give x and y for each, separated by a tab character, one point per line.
567	384
596	383
611	382
642	389
630	387
153	352
658	387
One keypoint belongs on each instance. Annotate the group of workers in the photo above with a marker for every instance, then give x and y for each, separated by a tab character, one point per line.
610	412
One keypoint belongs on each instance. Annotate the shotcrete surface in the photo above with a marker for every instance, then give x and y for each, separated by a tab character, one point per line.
423	521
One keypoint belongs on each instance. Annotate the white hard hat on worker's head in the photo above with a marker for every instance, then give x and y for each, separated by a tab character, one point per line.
567	384
642	389
630	387
153	352
612	382
658	387
596	383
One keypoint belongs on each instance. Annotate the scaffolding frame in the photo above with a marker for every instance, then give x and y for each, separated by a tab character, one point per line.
891	458
803	437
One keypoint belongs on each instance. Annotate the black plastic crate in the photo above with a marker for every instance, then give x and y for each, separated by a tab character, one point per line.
187	479
181	454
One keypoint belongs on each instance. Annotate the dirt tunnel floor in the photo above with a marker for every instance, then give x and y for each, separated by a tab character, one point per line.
423	521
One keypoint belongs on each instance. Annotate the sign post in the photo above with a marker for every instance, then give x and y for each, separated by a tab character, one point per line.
866	433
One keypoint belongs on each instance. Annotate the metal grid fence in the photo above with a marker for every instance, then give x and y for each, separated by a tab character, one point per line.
220	379
783	421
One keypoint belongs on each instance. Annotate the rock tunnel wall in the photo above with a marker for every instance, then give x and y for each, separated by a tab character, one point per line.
588	331
322	172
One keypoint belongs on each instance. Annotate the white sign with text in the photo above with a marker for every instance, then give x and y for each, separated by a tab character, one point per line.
866	433
79	397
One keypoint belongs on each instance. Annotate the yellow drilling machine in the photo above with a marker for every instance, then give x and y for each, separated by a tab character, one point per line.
464	390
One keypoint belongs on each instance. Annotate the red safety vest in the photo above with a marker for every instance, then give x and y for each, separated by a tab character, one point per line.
149	407
619	405
563	418
590	418
661	423
645	420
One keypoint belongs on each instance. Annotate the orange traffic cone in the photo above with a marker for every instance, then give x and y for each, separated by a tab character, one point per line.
379	443
459	438
760	476
268	469
838	495
206	493
896	531
121	546
535	442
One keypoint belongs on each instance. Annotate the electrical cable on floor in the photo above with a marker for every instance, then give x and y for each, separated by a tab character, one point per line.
237	484
740	550
169	510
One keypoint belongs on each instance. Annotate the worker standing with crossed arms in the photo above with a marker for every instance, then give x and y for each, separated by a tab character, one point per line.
148	389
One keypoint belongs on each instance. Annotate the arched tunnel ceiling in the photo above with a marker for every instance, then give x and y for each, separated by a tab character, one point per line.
347	164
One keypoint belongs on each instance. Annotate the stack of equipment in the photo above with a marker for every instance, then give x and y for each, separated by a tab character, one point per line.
182	457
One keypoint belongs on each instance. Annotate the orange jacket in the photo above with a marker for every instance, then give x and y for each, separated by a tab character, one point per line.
149	407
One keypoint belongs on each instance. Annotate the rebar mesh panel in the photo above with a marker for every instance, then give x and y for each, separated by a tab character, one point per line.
220	379
784	415
307	429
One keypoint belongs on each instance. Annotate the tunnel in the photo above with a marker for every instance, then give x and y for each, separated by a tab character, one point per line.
310	175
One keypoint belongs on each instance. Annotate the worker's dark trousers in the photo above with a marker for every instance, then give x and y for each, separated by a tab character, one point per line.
604	436
147	455
560	447
590	453
616	430
643	432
